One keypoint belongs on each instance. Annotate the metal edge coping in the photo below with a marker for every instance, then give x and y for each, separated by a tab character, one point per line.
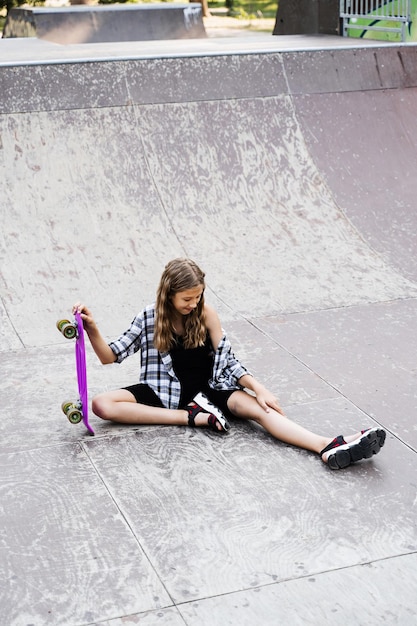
217	53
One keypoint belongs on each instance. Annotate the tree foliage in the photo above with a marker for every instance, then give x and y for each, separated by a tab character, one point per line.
10	4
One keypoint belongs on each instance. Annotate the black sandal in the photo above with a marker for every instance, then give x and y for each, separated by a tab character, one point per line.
215	419
365	446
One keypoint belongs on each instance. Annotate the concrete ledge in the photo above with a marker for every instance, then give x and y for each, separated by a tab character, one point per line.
94	24
85	85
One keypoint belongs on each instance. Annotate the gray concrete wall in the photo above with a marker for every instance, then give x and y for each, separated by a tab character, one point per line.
93	24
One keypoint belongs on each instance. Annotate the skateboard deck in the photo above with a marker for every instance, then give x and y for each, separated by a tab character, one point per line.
77	411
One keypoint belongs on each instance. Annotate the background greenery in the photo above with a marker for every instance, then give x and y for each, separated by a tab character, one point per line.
247	8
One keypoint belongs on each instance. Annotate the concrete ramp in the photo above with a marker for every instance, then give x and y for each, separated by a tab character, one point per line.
289	176
111	174
363	143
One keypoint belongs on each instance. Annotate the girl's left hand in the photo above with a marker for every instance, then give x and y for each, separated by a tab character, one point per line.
268	401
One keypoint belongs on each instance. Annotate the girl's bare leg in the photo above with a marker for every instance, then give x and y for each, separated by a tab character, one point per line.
279	426
121	406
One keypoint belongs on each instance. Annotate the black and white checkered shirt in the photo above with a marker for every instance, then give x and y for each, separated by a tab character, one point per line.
156	367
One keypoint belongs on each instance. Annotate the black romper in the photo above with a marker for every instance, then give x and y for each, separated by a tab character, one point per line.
193	368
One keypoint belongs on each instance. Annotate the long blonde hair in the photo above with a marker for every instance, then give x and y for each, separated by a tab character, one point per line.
179	275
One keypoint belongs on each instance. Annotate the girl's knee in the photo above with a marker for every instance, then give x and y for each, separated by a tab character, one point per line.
233	404
245	406
240	405
100	405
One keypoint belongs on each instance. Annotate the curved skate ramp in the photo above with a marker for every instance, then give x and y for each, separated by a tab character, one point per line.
244	162
363	144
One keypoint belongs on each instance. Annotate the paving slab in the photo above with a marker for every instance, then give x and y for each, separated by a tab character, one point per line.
34	383
214	518
375	593
365	353
167	617
68	555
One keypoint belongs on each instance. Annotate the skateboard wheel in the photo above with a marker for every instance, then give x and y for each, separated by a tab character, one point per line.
73	411
67	328
65	406
74	416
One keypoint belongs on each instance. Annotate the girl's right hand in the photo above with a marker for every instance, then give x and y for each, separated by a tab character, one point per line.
85	313
100	346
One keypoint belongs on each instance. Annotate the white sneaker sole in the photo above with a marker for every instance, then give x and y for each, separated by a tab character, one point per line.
364	447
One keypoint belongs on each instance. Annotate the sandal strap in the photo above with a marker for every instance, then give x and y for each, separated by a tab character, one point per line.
193	409
337	441
213	420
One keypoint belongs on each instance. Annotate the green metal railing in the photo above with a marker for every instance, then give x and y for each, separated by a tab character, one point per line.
375	15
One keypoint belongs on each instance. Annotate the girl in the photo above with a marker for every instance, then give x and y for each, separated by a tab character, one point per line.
189	374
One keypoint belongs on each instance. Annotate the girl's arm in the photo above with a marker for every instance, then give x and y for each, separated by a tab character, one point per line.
264	397
99	344
213	325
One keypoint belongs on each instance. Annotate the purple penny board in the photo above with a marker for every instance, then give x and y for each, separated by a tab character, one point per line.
82	370
77	411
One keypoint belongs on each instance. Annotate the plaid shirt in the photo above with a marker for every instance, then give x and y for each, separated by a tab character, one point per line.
156	367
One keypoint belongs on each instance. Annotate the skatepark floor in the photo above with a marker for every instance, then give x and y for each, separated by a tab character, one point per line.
286	169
